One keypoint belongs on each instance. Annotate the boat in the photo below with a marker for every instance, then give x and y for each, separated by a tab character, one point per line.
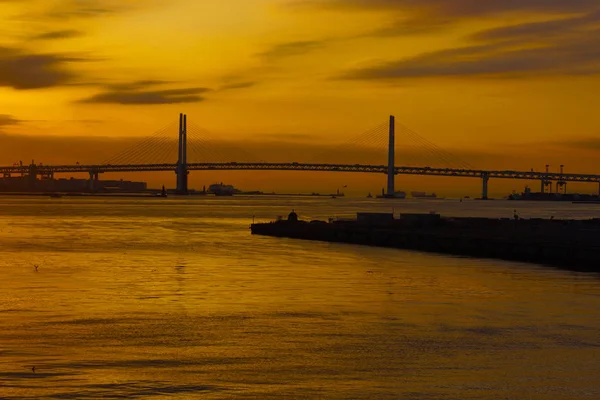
396	195
423	195
56	195
219	189
369	196
528	195
163	192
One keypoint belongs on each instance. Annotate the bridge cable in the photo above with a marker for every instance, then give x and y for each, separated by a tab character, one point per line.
135	148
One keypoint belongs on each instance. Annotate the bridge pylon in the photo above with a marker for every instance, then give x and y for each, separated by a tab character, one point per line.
391	171
182	168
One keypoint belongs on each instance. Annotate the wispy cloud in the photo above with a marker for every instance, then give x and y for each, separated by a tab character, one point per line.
21	69
455	8
289	49
6	120
43	10
555	47
425	16
60	34
144	93
238	85
586	143
543	31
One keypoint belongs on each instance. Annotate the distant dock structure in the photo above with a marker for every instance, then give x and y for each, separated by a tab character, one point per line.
570	244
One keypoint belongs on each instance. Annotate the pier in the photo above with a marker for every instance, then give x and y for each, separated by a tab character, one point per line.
569	244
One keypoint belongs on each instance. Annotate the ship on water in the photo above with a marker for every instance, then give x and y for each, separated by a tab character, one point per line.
528	195
423	195
220	189
396	195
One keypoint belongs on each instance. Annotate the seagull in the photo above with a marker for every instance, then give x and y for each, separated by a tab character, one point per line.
36	270
33	369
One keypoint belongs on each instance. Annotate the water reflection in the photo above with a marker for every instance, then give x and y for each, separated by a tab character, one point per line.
178	299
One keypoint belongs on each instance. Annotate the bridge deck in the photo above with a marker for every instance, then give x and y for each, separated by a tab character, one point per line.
379	169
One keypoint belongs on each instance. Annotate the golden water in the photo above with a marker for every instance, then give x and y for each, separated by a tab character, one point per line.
169	298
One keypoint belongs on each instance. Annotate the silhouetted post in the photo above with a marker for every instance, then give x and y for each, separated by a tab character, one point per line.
180	141
484	192
179	152
92	186
33	172
181	170
391	157
185	170
543	186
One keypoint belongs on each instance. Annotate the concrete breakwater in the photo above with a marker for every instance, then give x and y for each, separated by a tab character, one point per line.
570	244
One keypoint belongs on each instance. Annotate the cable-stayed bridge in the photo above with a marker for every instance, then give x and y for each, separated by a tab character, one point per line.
374	151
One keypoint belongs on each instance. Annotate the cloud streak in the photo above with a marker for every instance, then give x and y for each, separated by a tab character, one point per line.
133	94
238	85
289	49
6	120
562	47
61	34
78	9
457	8
24	70
426	16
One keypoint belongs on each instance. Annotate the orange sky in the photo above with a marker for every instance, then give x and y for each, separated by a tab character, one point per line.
502	84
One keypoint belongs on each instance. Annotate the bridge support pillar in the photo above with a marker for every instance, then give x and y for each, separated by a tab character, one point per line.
181	170
543	186
33	173
391	172
94	176
484	192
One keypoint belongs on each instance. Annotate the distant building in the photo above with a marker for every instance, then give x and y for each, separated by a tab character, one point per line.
71	185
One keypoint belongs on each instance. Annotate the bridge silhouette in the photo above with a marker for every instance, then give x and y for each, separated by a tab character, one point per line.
154	153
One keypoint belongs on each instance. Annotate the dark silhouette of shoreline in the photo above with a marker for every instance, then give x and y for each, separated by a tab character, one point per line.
568	244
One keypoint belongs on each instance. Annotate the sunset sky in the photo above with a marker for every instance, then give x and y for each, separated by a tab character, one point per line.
500	83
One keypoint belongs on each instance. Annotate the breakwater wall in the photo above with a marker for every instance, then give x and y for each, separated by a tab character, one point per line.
570	244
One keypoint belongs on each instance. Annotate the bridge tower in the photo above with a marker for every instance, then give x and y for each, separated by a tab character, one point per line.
485	178
391	172
181	170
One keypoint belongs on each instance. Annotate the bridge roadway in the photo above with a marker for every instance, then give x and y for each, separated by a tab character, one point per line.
49	170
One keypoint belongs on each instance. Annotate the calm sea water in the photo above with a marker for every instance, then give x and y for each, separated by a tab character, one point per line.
170	298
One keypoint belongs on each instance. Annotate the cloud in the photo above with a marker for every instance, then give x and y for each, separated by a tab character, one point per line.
567	46
589	143
148	97
23	70
291	49
135	85
6	120
406	27
78	9
544	30
457	8
62	34
425	16
238	85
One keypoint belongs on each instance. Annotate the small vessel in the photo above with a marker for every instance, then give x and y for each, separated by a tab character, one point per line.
56	195
396	195
219	189
423	195
163	192
369	196
528	195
